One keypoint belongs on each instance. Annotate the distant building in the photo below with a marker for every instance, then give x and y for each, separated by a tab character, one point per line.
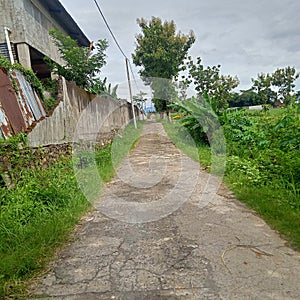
150	108
24	32
255	107
278	104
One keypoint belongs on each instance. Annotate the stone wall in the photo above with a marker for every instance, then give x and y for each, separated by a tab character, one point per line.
13	161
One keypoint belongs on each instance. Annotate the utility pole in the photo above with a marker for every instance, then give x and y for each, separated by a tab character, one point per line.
130	93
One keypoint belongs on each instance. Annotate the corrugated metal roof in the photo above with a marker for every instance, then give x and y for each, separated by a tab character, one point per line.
10	104
18	110
28	97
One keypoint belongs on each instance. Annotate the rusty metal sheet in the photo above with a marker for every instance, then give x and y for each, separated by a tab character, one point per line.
29	97
24	107
5	129
10	104
19	110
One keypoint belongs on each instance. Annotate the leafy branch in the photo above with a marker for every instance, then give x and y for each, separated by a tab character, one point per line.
82	64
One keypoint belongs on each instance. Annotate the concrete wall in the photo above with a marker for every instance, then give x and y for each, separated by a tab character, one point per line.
29	23
11	15
81	116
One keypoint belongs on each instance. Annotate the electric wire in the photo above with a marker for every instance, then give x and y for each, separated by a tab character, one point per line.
108	27
116	41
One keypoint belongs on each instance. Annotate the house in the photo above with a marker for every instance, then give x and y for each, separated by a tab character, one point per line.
24	32
278	104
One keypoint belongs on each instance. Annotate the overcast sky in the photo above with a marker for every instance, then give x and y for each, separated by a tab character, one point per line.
245	37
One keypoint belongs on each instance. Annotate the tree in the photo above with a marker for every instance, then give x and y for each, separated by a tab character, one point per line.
263	86
279	85
209	81
245	98
297	95
81	65
160	51
100	87
284	79
163	90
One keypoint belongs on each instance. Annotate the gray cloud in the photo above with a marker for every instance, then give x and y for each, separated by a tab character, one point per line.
245	37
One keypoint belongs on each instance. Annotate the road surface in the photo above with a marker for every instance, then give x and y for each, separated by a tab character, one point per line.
165	229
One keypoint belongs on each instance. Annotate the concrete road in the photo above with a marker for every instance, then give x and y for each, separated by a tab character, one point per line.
165	229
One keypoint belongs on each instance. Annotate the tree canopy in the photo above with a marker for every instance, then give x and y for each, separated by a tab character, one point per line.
280	85
209	81
81	64
284	80
140	99
245	98
160	52
262	85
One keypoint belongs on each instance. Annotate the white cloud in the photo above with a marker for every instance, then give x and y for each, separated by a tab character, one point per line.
245	37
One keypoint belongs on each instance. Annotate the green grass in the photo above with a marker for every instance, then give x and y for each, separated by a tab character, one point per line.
123	143
93	168
182	139
35	219
276	201
38	215
274	204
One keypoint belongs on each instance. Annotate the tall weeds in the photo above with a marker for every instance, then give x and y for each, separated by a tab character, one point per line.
38	214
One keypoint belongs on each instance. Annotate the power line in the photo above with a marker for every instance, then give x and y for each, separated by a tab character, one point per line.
112	34
116	41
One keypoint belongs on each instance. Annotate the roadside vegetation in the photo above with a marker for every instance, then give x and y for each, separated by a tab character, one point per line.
261	148
39	206
39	213
82	64
262	163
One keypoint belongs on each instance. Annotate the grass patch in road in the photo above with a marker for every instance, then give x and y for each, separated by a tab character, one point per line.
38	215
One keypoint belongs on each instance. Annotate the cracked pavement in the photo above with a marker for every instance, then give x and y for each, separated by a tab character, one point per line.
165	229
